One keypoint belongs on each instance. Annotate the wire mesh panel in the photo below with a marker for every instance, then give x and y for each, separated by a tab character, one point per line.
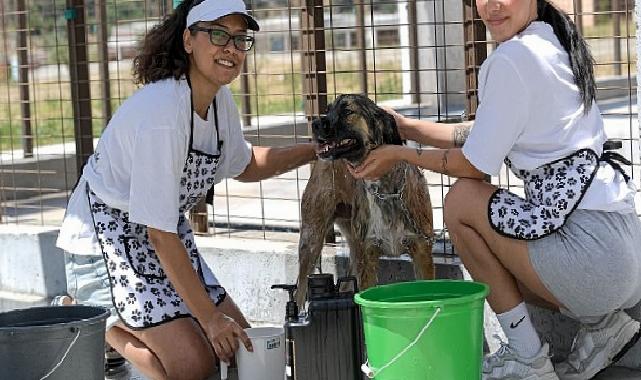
420	57
64	66
405	54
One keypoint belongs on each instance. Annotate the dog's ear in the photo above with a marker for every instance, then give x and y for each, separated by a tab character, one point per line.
387	132
317	125
390	130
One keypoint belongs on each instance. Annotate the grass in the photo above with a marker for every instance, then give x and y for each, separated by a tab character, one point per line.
600	37
604	26
275	88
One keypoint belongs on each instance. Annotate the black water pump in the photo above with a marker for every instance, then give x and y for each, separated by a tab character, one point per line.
325	341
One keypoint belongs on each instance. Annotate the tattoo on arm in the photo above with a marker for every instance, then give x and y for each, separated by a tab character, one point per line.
460	133
444	162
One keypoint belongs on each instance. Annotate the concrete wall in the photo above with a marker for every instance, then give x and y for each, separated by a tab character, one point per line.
30	264
247	268
29	261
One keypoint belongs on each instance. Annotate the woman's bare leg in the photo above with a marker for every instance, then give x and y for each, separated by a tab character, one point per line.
490	257
173	350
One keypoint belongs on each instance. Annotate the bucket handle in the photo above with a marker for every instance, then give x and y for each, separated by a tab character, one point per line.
371	372
65	354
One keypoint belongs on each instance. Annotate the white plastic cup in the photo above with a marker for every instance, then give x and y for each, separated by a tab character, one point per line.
267	362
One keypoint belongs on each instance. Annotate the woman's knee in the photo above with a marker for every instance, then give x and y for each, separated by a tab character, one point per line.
192	364
456	199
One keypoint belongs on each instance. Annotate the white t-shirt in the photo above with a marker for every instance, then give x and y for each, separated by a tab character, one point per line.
140	157
531	112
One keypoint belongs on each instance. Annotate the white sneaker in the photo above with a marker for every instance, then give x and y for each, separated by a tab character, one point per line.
597	346
506	364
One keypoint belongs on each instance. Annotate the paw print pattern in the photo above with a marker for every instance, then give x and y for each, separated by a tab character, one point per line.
142	294
552	192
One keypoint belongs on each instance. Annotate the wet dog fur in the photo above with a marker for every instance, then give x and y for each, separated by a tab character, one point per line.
387	217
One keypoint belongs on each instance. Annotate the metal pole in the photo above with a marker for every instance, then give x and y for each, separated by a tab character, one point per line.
314	64
79	77
3	28
246	100
412	17
362	43
578	14
23	79
475	53
616	7
637	5
244	89
103	59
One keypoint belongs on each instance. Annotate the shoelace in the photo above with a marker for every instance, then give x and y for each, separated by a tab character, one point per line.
574	359
497	357
578	355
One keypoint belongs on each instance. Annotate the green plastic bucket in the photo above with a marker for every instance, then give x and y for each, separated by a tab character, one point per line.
424	330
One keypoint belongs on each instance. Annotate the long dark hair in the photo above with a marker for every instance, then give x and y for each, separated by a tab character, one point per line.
581	60
162	52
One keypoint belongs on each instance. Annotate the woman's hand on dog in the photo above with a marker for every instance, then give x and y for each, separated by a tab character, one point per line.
378	162
223	334
406	131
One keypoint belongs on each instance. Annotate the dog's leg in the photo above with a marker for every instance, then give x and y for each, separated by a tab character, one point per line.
421	252
312	238
367	265
353	242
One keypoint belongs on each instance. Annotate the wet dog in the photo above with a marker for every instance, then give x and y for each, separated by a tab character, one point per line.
387	217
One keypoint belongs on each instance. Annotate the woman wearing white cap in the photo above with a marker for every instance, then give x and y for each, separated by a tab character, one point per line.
127	241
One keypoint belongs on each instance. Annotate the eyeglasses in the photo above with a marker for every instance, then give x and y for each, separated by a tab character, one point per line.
219	37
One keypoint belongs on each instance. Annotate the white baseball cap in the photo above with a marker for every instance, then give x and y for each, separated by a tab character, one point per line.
210	10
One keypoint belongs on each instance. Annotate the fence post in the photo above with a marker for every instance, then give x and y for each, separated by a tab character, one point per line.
475	53
244	89
617	8
361	43
79	81
103	59
415	86
314	68
23	79
314	64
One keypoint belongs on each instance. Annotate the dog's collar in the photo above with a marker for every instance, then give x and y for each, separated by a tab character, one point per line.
388	196
399	196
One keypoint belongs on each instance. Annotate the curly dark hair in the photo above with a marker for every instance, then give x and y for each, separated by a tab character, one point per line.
162	54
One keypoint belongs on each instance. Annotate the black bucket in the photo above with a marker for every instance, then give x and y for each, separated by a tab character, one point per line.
53	343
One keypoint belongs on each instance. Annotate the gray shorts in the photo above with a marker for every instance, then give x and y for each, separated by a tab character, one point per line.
592	265
88	283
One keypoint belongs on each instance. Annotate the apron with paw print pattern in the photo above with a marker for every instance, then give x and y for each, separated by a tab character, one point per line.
141	292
